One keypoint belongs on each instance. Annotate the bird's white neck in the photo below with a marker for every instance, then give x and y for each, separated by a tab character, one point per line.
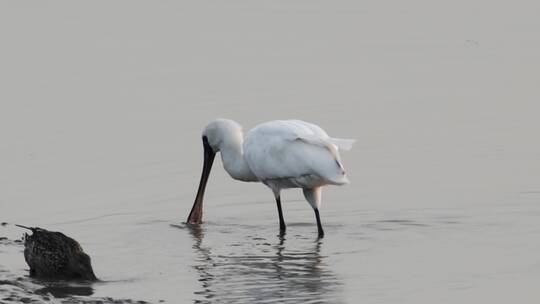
232	156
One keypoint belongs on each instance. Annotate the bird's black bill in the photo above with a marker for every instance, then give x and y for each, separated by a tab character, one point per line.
195	216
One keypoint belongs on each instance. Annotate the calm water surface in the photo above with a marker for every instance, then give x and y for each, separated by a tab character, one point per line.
102	106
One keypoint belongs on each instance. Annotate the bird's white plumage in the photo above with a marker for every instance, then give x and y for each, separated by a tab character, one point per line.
280	154
293	153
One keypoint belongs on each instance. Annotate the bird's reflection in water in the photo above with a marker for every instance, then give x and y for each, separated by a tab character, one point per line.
64	291
204	263
288	271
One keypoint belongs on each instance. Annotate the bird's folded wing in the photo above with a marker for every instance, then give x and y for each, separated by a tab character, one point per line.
341	143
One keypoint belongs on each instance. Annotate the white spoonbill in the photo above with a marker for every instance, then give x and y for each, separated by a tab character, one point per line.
280	154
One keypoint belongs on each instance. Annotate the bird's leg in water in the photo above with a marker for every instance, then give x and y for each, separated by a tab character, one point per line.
282	226
313	196
319	226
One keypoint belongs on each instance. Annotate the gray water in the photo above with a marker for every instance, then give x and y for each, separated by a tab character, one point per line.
102	105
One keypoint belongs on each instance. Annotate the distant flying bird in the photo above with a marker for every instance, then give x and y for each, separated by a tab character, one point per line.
280	154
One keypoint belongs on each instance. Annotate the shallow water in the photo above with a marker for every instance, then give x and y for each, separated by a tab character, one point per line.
102	105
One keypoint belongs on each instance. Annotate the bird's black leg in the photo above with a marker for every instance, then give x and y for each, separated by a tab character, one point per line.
282	226
319	226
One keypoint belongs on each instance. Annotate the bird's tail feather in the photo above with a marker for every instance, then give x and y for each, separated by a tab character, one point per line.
342	143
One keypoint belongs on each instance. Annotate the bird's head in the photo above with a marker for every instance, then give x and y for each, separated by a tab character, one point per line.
221	132
80	267
215	135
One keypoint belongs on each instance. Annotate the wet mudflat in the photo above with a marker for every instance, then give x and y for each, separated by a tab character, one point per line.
102	106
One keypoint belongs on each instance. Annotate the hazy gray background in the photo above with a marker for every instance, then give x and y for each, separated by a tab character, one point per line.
102	104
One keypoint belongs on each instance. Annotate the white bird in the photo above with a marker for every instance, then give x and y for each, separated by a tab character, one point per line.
280	154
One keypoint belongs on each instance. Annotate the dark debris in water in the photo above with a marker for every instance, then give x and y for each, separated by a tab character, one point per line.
6	241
